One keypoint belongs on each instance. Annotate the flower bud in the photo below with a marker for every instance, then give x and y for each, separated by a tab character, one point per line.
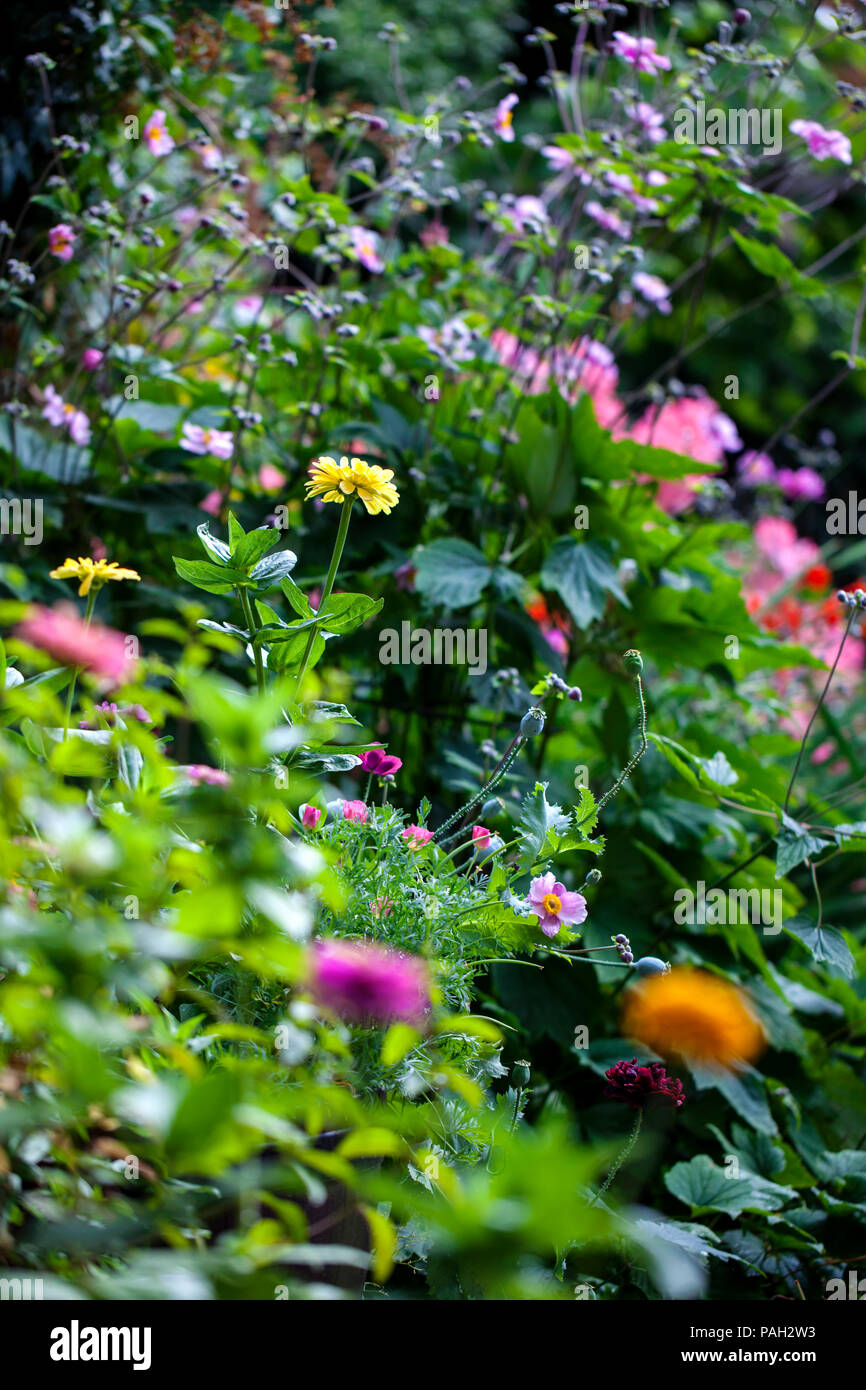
651	965
520	1075
594	876
633	662
532	723
574	693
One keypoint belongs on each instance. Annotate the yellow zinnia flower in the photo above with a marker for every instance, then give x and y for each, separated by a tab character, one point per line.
91	572
693	1015
337	481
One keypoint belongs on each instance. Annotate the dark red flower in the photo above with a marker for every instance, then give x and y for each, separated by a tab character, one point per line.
639	1086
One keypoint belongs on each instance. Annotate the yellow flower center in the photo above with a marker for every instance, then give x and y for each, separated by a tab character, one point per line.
552	904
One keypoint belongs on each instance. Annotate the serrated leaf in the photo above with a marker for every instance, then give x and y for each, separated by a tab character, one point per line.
825	943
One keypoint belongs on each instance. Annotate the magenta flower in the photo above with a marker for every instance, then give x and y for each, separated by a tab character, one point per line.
639	53
416	836
111	713
91	358
554	905
480	837
69	640
503	118
823	143
365	245
356	810
61	241
202	775
156	135
197	440
310	816
654	290
381	907
364	983
801	484
563	161
650	120
639	1086
607	219
379	763
754	468
57	412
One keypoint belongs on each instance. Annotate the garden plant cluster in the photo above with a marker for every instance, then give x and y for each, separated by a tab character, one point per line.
432	750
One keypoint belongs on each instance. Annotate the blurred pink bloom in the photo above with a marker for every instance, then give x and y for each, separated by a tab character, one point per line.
503	118
363	983
247	308
270	477
564	161
357	811
365	244
753	468
416	836
156	135
528	214
639	53
653	290
210	155
91	358
61	241
64	635
801	484
434	234
310	816
823	143
788	553
607	219
57	412
200	774
212	503
381	907
197	440
554	905
649	119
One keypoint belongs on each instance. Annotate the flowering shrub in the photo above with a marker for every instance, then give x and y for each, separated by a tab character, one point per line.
455	728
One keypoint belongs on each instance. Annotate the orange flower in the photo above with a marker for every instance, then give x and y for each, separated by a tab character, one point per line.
694	1015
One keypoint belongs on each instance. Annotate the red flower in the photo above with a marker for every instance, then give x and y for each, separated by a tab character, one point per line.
818	577
640	1086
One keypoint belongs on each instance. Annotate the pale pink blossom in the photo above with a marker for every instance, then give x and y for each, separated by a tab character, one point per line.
202	775
156	135
64	635
650	120
434	234
365	245
607	219
57	412
564	161
416	836
823	143
61	241
198	440
356	811
639	53
210	155
653	290
754	468
502	121
554	905
212	503
270	477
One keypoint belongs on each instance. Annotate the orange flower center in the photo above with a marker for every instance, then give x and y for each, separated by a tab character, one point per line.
552	904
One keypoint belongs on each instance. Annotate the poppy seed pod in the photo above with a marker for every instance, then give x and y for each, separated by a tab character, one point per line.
532	723
633	662
520	1074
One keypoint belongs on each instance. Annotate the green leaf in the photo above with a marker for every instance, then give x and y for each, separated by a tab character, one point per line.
771	260
253	546
274	569
451	572
794	844
701	1183
297	598
541	820
826	943
216	549
583	576
345	612
214	579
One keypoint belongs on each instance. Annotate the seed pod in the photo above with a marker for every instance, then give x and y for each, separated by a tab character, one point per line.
651	965
520	1074
633	662
532	723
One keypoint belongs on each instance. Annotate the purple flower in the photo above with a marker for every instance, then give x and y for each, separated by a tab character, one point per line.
197	440
380	763
754	468
607	219
562	161
654	290
528	213
639	1086
61	241
310	816
801	484
554	905
723	430
639	53
365	245
57	412
91	358
503	117
200	774
823	143
369	984
649	119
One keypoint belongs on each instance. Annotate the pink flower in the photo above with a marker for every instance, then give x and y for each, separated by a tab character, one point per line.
379	763
639	53
212	503
607	219
156	135
197	440
310	816
381	907
801	484
754	468
364	983
61	241
481	837
649	119
57	412
356	810
416	836
434	234
563	161
270	477
91	358
554	906
69	640
200	774
503	118
210	155
528	214
365	245
654	290
248	308
823	143
777	540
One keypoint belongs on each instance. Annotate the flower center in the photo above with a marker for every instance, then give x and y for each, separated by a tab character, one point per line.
552	904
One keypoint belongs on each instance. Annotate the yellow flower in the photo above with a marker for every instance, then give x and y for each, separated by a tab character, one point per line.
694	1015
91	572
337	481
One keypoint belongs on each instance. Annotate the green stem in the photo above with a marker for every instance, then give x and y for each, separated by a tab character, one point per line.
339	543
630	766
493	780
621	1157
247	608
91	600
